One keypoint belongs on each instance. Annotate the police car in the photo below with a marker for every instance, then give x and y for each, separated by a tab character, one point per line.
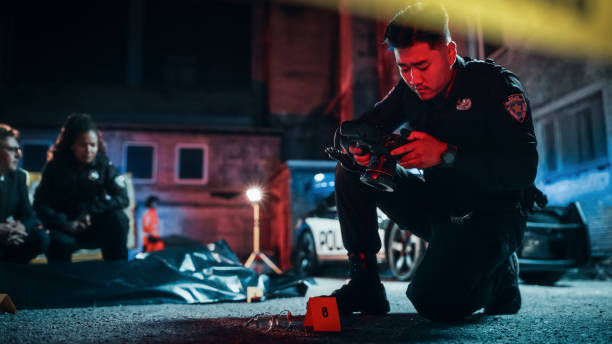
319	241
555	240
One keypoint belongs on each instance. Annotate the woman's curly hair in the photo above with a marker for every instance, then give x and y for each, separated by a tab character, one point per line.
75	125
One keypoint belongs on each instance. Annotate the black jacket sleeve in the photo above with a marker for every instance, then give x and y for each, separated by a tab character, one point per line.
509	160
114	195
390	112
25	213
44	198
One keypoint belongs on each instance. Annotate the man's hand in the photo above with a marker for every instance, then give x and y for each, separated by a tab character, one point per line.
16	239
5	230
422	151
19	227
359	156
13	232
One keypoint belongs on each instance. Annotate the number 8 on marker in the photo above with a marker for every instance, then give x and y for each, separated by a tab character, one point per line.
322	314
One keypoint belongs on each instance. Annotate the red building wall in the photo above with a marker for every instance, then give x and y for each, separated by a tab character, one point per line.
301	58
217	209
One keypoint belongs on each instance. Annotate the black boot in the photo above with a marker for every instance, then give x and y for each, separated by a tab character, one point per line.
507	299
363	293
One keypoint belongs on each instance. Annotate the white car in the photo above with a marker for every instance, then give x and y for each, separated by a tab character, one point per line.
555	241
320	240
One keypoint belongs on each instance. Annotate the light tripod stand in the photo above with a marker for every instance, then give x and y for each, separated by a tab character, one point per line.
254	196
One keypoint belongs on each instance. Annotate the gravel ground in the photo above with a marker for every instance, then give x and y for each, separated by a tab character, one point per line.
571	312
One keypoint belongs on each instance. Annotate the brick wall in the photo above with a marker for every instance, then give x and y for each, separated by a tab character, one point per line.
302	67
301	59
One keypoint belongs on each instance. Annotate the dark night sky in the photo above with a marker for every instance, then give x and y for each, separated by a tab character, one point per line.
197	44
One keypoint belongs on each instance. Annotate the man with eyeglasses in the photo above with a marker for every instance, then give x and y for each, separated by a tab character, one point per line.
21	236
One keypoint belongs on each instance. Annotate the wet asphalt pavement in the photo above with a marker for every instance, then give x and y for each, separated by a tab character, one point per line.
570	312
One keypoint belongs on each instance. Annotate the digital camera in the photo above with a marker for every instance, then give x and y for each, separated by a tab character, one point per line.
372	139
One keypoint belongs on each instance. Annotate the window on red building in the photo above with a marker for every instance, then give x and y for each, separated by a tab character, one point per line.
191	163
140	160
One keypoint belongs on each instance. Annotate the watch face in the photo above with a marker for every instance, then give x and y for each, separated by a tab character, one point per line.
448	157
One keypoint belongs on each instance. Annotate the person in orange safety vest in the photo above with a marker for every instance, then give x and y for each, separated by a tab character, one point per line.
150	226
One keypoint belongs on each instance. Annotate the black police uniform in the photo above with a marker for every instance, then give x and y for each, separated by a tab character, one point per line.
469	212
67	191
15	204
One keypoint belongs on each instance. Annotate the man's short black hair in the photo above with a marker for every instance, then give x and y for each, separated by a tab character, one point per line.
7	131
420	22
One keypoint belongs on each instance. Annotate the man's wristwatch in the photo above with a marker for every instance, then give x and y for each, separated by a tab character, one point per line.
448	156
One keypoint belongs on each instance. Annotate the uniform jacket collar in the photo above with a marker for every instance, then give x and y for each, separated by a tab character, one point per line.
449	95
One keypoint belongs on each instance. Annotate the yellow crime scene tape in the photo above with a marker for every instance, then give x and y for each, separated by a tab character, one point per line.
581	28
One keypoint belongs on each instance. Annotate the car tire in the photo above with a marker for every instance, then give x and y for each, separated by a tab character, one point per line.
404	252
541	277
306	254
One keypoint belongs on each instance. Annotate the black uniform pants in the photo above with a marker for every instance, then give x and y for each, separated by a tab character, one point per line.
34	244
108	231
458	273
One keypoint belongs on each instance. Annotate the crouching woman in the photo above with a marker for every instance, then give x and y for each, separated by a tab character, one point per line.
81	196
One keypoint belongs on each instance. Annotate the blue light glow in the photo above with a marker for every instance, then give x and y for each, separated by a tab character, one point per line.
319	177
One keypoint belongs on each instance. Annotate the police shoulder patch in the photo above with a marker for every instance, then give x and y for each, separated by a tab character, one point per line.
516	106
